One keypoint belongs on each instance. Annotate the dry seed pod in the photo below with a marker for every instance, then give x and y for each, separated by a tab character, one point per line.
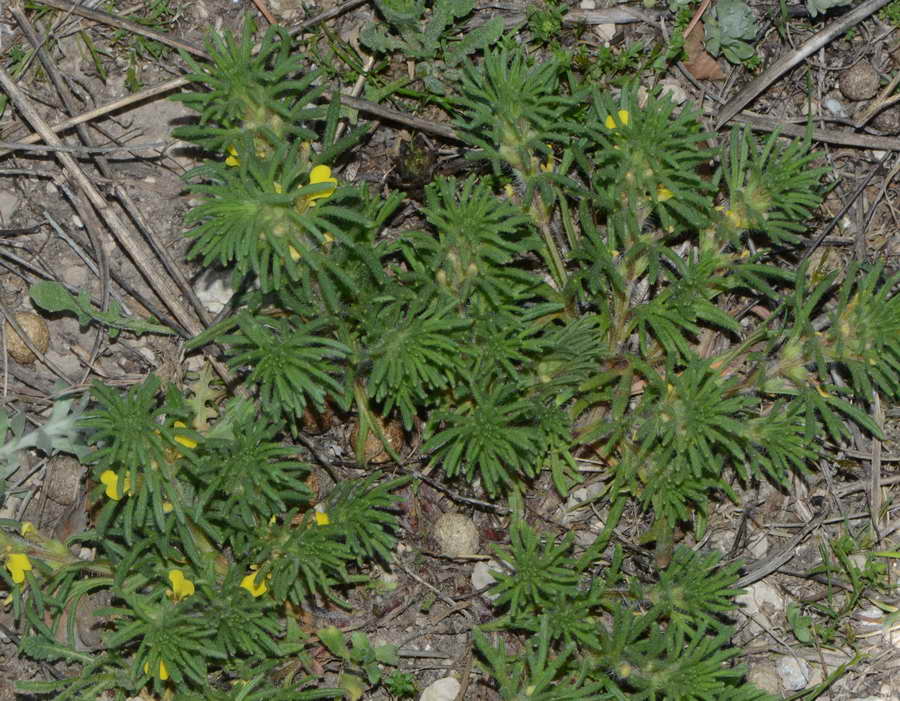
374	452
36	329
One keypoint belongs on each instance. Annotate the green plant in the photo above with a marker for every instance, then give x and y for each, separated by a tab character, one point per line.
730	25
587	296
438	45
545	21
59	433
363	660
158	16
890	13
401	685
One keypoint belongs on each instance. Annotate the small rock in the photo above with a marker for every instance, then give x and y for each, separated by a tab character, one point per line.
762	602
759	546
9	205
75	275
859	82
577	499
481	577
67	362
794	673
456	535
606	32
446	689
887	120
835	107
673	89
214	289
764	677
588	5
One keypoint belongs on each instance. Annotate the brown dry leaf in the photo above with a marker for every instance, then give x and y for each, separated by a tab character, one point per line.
699	63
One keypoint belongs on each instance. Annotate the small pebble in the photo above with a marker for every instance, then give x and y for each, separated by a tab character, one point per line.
888	120
456	535
674	90
446	689
859	82
794	673
481	577
835	107
605	32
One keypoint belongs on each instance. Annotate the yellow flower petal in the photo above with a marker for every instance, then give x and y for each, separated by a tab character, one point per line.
182	587
249	583
163	670
111	480
167	507
184	440
18	564
322	518
623	116
321	174
663	193
294	253
232	159
27	528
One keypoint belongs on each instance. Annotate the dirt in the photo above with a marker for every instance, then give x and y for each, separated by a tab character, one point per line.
426	604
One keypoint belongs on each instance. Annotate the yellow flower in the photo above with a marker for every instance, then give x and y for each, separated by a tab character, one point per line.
167	507
322	518
611	123
317	176
249	583
163	671
111	480
663	193
27	528
182	587
184	440
232	160
18	564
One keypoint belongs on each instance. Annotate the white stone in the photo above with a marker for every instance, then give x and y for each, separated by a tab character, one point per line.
677	94
835	107
794	673
605	32
213	288
588	5
576	505
763	604
445	689
481	576
9	205
759	547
